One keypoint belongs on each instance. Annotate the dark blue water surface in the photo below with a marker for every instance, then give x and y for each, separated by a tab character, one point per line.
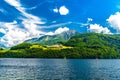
59	69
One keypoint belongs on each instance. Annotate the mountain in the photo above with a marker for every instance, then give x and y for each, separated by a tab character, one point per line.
52	39
83	46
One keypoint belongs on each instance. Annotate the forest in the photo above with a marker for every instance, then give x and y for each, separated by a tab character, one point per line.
81	46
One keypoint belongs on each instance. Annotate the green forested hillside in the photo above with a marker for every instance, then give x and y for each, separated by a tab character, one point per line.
94	45
87	45
94	39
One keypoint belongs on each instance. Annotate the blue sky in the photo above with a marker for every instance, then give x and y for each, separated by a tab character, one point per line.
24	19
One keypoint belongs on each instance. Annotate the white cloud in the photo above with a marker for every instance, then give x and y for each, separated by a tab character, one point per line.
20	8
99	29
2	30
87	23
90	19
13	33
50	33
56	10
57	25
63	10
14	3
114	21
58	31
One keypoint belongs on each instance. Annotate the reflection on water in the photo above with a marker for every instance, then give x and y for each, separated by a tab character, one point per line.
59	69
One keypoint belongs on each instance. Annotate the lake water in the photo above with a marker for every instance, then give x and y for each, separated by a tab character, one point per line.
59	69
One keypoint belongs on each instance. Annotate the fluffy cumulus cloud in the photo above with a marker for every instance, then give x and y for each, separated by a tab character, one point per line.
58	31
63	10
114	21
13	34
99	29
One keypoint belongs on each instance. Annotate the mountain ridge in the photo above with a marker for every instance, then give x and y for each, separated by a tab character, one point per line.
83	46
52	39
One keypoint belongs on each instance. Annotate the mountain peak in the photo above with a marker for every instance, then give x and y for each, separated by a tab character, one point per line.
52	39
